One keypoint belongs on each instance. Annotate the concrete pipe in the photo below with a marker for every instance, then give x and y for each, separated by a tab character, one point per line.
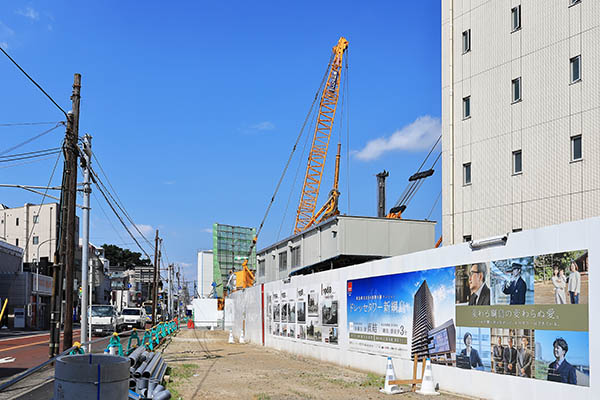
138	372
147	373
152	385
135	355
158	388
91	376
142	383
158	368
162	372
163	395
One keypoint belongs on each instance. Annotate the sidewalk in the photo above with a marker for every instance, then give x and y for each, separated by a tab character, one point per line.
204	366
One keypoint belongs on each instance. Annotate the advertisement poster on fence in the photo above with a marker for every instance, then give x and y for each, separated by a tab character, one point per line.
526	317
403	314
329	314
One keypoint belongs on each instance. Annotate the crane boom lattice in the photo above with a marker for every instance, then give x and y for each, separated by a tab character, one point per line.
320	143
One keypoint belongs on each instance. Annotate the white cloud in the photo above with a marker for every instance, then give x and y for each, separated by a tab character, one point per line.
4	45
418	135
30	13
207	230
145	229
441	293
263	126
169	182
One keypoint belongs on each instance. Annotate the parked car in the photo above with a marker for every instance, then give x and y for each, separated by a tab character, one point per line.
133	318
104	319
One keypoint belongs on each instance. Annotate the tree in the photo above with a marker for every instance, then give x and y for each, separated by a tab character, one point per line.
124	257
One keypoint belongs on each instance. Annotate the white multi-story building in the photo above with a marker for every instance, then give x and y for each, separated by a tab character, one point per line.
520	115
205	273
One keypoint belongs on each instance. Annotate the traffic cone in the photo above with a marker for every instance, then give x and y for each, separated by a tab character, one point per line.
242	338
231	337
390	375
427	386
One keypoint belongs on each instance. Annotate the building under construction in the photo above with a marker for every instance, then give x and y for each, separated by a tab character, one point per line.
231	246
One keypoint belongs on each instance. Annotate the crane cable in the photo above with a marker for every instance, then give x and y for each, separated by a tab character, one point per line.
413	186
291	154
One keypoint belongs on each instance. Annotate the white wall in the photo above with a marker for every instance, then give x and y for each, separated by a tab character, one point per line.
205	312
566	237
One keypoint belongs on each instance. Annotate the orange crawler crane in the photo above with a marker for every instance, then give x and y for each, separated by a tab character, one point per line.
306	216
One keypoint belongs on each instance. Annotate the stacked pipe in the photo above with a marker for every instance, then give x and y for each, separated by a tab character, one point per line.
147	372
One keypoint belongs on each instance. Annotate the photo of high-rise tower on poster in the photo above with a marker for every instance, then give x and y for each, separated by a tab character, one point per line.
404	315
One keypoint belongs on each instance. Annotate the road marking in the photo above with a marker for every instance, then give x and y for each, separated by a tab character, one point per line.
6	360
36	335
23	345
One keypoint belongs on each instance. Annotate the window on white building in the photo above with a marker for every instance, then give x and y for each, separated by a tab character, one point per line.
261	267
516	90
517	162
283	261
17	242
467	174
466	41
466	107
17	222
295	256
36	240
575	69
35	219
515	18
576	152
467	238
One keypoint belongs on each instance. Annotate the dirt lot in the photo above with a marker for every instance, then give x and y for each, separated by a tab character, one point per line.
204	366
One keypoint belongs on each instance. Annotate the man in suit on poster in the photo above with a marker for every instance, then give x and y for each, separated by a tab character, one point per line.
498	356
515	286
560	370
524	359
480	292
510	358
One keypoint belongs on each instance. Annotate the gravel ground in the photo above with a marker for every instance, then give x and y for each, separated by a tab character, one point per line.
204	366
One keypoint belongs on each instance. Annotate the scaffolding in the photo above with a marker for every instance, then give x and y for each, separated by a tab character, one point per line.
231	245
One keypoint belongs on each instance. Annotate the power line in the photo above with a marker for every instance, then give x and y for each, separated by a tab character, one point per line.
29	123
31	152
32	139
34	82
94	175
118	201
30	156
35	221
27	162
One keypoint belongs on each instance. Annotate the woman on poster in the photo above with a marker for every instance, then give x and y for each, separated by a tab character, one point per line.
560	283
471	353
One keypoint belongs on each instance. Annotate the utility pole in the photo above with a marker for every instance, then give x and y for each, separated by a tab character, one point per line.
155	284
64	257
71	217
87	190
170	307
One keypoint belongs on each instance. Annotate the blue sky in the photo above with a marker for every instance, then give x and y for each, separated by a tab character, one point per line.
194	106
